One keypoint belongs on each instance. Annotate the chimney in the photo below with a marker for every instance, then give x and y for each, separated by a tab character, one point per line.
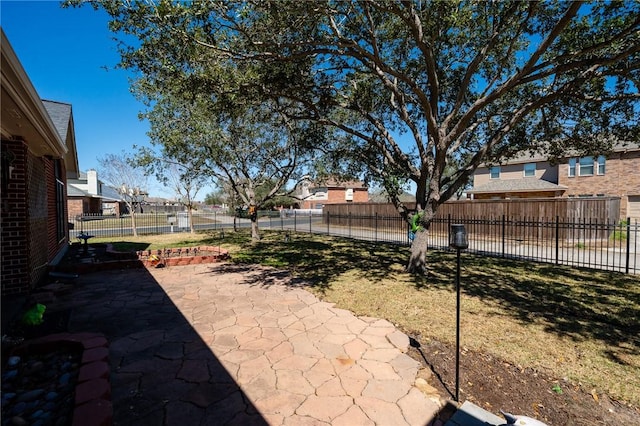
92	182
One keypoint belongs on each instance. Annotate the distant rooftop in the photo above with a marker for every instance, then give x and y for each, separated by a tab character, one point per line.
517	185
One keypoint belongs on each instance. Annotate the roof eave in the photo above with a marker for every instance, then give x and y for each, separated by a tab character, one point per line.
23	95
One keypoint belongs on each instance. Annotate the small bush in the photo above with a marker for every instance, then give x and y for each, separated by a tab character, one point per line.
620	233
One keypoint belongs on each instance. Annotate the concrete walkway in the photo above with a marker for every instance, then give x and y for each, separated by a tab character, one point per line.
226	344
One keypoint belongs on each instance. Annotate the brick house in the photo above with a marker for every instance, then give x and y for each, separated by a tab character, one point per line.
615	174
330	191
38	155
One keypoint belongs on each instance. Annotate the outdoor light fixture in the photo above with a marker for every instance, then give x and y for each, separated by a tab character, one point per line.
458	241
458	237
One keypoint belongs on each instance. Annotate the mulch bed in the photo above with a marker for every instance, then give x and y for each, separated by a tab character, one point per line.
494	384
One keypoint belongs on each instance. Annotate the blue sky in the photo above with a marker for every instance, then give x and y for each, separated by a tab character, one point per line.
70	56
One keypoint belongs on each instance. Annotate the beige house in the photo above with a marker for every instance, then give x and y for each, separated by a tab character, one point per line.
616	174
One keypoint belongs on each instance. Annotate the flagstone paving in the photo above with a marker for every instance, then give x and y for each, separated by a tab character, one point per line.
230	344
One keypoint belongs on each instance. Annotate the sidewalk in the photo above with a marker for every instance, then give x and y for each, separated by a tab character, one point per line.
232	344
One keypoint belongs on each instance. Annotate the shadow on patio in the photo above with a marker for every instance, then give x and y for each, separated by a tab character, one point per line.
162	371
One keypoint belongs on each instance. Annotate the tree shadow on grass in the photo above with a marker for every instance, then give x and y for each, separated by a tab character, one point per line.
321	261
577	303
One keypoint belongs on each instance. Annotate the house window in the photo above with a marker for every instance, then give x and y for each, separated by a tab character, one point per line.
530	170
348	194
601	167
494	172
572	167
586	166
60	202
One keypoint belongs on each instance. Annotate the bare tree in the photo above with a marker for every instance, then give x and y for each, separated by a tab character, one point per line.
121	173
185	180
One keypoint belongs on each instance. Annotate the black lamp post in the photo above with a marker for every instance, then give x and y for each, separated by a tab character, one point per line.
458	241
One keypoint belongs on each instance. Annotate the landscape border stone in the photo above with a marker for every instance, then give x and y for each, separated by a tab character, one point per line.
93	389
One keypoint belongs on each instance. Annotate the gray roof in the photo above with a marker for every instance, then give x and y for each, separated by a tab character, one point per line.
110	193
517	185
60	114
73	191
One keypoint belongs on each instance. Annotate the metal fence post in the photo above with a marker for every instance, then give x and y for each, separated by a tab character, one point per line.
557	240
375	228
349	219
448	225
328	220
504	231
626	268
295	221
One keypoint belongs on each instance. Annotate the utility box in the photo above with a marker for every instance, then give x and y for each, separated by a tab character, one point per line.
183	220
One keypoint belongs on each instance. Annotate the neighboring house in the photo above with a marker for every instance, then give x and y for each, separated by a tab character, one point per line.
38	156
87	196
616	175
534	177
330	191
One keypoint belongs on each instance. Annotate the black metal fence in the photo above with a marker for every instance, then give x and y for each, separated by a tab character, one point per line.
591	243
588	243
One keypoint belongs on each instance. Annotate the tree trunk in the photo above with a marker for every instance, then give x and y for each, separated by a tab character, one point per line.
418	259
133	222
190	214
255	232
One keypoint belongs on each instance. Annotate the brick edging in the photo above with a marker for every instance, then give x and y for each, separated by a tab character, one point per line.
175	257
141	260
93	390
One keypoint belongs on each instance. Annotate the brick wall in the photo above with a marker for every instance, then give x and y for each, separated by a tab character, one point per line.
337	196
14	252
74	207
37	203
29	219
621	178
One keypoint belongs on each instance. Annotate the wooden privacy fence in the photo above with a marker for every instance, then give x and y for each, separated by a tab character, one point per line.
597	209
499	228
601	209
531	229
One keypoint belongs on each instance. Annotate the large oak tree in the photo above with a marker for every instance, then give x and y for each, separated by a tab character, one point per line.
422	91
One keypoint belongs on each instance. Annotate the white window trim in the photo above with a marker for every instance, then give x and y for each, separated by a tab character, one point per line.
573	167
601	161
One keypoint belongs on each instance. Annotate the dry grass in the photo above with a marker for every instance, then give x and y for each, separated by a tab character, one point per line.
575	323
